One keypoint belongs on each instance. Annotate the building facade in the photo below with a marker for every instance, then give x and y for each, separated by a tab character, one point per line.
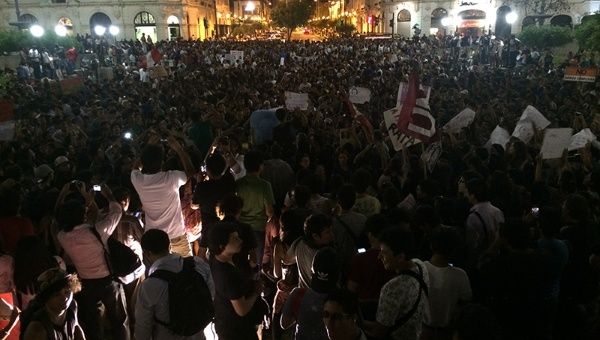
158	19
473	17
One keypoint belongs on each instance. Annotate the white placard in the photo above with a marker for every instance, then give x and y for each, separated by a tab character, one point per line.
295	101
499	136
359	95
7	130
555	142
580	139
237	55
399	139
281	61
460	121
535	117
523	131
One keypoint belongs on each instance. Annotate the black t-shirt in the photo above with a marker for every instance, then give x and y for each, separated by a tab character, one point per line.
248	242
207	194
230	284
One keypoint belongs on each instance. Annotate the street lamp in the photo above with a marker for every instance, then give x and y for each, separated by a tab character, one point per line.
99	30
113	30
60	30
36	30
510	18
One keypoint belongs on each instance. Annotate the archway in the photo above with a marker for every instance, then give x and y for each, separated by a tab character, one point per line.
99	19
436	21
67	23
174	28
562	20
528	21
28	19
472	22
403	23
502	28
145	26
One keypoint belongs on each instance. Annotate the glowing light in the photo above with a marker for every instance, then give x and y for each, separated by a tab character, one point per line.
36	30
99	30
113	30
60	30
446	21
511	17
250	6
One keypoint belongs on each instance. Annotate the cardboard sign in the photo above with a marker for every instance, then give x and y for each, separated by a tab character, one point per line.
555	142
359	95
6	110
399	139
587	75
295	101
71	85
580	139
460	121
7	130
499	136
523	131
535	117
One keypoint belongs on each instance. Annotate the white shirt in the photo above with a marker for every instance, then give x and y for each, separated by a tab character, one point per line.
153	300
84	248
159	194
447	286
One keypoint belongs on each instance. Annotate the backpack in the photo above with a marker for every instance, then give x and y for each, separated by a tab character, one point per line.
191	306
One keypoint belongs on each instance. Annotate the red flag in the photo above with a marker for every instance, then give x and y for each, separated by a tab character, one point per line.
415	120
156	56
361	119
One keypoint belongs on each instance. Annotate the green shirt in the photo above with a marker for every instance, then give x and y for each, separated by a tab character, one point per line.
256	194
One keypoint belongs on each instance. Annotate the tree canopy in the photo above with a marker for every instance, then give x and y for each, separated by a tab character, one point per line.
292	14
545	36
588	33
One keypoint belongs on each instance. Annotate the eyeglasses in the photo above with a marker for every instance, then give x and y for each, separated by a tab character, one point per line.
335	316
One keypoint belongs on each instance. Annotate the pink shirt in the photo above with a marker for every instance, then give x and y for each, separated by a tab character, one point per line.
83	247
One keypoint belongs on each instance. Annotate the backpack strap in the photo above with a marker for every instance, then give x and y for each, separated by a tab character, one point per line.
104	247
422	289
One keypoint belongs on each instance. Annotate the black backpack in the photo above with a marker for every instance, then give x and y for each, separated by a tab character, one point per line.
191	306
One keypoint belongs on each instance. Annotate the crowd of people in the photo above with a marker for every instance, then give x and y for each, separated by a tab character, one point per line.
290	223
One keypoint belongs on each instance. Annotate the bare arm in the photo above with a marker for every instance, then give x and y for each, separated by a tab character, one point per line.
188	167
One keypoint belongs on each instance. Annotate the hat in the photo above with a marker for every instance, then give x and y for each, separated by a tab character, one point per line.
60	160
52	281
42	173
325	269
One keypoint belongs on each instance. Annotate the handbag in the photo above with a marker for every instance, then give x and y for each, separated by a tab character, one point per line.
120	259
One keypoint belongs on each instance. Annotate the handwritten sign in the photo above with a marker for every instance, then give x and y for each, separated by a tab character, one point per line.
295	101
460	121
580	139
399	139
523	131
359	95
535	117
499	136
555	142
586	75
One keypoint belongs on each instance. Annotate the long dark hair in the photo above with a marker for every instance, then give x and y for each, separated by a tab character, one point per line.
32	258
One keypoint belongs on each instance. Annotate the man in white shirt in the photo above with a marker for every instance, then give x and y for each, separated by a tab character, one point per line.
153	297
88	255
159	193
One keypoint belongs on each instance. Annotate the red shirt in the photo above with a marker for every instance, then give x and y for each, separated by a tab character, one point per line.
12	229
369	273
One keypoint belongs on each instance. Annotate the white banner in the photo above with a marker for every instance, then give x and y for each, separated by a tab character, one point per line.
295	101
399	139
535	117
359	95
580	139
460	121
556	141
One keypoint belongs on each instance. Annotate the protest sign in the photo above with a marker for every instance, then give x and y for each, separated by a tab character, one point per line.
535	117
403	90
431	155
295	101
359	95
523	131
460	121
555	142
499	136
399	139
71	85
581	74
580	139
7	130
237	55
